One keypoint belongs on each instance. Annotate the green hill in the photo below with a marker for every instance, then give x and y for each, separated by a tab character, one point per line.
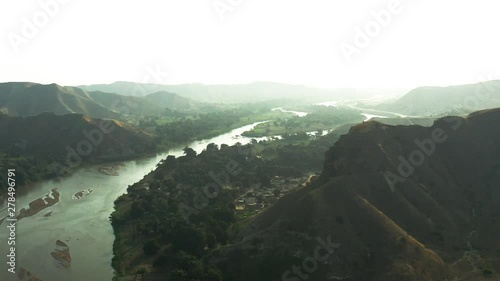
30	99
237	93
50	136
396	203
462	99
440	221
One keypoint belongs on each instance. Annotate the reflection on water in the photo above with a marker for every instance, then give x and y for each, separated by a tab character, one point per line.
298	113
83	223
370	116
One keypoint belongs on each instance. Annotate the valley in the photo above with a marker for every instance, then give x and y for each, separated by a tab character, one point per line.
230	140
212	183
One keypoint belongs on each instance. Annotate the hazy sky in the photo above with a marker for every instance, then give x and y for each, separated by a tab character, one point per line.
413	43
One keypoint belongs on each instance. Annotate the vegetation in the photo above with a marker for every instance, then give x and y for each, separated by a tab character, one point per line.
28	169
186	205
33	159
191	127
320	118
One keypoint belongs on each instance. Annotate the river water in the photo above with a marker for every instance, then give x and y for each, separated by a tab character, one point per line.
298	113
82	224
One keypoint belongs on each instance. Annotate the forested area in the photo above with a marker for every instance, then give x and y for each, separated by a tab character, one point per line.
186	129
182	211
28	170
319	118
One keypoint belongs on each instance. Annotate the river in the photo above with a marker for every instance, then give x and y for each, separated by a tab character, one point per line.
298	113
83	224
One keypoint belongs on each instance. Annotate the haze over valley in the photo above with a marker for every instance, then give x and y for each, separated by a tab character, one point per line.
243	140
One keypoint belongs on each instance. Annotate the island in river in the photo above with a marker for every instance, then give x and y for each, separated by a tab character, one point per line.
39	204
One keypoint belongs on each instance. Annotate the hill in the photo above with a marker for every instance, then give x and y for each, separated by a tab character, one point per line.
425	101
396	203
31	99
169	100
440	221
50	136
237	93
152	104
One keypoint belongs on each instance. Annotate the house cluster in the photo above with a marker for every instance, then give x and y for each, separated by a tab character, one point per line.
259	198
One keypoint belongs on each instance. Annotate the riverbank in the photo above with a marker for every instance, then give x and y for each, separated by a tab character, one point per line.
319	118
159	216
45	171
84	223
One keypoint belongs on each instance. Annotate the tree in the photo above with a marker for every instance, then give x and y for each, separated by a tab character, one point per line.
169	184
188	239
277	192
212	274
212	147
150	248
191	265
136	210
189	152
211	240
170	161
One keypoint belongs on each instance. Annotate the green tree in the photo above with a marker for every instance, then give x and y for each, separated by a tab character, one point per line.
188	239
189	152
150	248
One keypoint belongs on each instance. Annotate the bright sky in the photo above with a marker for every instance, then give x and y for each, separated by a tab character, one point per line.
423	42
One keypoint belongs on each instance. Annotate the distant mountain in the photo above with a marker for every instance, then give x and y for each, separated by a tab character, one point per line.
50	136
30	99
439	220
461	99
152	104
238	93
169	100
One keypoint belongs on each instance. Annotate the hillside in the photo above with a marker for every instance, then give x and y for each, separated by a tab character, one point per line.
439	223
237	93
30	99
50	136
152	104
169	100
460	99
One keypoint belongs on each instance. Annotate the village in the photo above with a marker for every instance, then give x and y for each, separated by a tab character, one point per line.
259	198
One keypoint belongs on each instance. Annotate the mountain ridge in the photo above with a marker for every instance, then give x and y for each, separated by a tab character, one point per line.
31	99
456	99
439	223
51	136
231	93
